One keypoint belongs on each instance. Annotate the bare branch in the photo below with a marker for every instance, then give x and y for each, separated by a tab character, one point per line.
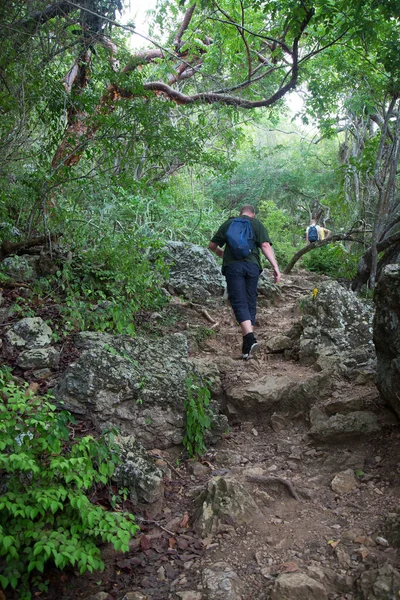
58	9
184	25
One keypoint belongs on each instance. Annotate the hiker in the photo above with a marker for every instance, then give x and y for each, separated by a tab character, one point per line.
242	237
315	232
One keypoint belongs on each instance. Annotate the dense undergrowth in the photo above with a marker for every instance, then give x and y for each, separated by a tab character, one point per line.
46	476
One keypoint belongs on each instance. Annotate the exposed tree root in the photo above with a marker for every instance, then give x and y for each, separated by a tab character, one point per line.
8	247
288	484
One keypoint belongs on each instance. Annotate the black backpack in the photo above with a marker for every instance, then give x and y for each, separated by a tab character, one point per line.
312	233
240	238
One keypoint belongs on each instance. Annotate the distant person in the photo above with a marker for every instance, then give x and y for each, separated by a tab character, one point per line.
315	232
242	237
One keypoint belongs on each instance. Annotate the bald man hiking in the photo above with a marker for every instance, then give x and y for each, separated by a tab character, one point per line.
243	238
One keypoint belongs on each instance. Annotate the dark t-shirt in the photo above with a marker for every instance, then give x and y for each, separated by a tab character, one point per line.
260	236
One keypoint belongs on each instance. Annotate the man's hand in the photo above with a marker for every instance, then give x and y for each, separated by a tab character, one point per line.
277	275
215	248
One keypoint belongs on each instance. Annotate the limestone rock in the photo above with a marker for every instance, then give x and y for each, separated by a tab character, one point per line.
190	595
228	458
279	343
223	501
270	394
379	584
344	482
31	332
20	268
193	271
342	427
99	596
298	586
136	384
87	340
267	288
222	582
278	422
39	358
134	596
138	473
387	335
337	331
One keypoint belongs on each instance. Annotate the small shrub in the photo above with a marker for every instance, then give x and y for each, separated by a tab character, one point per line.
45	514
202	334
198	416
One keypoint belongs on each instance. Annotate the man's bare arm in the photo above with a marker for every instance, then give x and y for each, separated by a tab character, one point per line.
269	254
216	249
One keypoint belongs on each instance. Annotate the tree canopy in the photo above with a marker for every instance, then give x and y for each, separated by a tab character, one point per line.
92	131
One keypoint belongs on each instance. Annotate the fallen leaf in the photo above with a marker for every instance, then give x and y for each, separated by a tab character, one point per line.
185	520
31	389
145	542
172	542
363	552
334	543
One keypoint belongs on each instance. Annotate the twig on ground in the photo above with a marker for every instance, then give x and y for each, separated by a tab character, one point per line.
157	523
169	464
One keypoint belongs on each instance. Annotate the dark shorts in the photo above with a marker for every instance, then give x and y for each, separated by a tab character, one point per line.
242	280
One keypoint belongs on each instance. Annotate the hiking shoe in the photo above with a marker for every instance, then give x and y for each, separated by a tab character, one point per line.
252	349
249	346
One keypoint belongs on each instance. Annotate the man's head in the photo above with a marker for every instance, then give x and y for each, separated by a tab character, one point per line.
248	211
313	222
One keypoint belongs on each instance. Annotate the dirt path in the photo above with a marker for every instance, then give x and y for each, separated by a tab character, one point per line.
334	538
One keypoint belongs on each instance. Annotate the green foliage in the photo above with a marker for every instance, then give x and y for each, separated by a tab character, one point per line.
110	278
203	333
334	260
280	229
45	515
198	416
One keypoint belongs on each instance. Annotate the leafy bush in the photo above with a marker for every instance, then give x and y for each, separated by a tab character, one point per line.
198	416
108	281
45	514
333	260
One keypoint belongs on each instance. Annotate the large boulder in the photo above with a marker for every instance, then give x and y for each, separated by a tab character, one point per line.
387	335
269	394
193	271
339	427
138	385
337	331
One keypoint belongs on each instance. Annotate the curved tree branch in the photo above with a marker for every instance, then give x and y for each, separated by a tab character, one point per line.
334	238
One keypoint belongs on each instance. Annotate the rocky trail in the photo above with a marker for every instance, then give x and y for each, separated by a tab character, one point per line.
282	507
296	500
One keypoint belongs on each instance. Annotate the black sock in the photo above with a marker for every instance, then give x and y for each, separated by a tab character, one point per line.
249	336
